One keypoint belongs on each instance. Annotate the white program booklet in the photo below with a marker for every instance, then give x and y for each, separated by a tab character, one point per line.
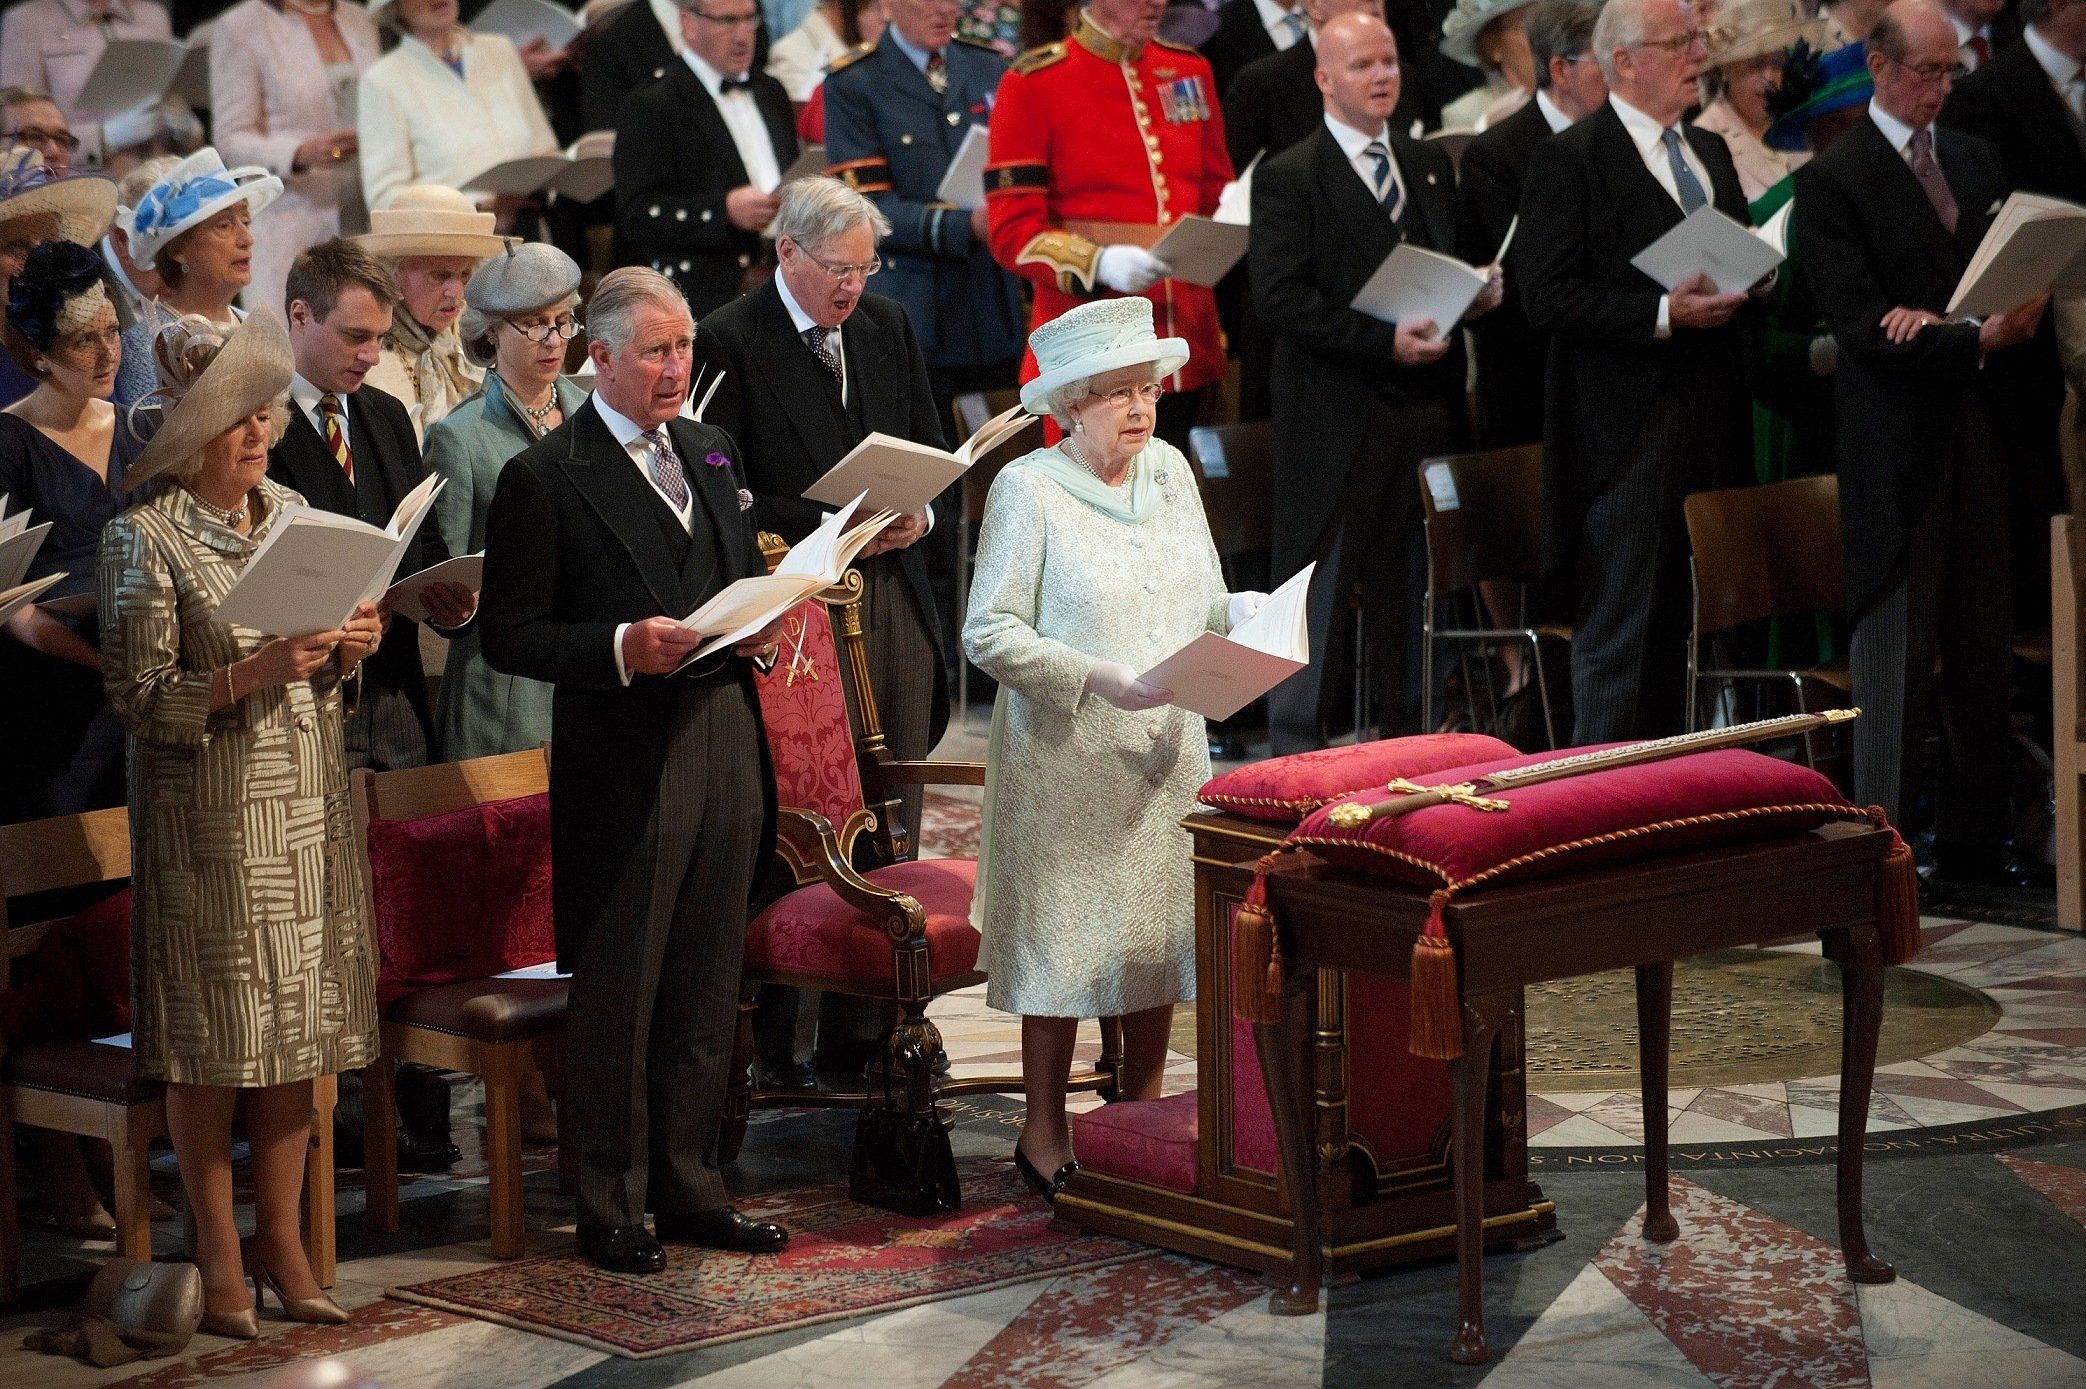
1216	676
963	182
315	567
405	595
1415	283
131	73
815	562
18	548
1201	250
527	20
13	600
900	476
583	171
547	970
2032	245
1706	242
1235	203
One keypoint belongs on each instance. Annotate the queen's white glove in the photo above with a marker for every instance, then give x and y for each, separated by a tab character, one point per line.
1130	269
1241	607
1119	685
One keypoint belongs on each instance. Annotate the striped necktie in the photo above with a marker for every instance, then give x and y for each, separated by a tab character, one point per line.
331	411
1389	191
666	468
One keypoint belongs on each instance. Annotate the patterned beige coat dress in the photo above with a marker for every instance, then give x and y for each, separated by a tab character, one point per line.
1085	890
252	957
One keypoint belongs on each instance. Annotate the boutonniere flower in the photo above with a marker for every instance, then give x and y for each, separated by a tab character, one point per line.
717	460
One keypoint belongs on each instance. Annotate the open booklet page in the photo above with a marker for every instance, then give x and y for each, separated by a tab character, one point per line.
1706	242
1201	250
2034	243
18	549
315	566
901	476
13	600
527	20
815	562
406	598
1216	676
963	183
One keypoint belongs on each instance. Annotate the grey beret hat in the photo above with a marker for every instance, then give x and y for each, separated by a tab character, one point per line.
529	276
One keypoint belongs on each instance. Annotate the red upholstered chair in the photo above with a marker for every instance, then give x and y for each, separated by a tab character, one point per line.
863	918
486	823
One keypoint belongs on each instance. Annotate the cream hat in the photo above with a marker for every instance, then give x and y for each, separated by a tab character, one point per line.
1093	338
1460	30
210	378
1746	29
193	192
84	204
426	219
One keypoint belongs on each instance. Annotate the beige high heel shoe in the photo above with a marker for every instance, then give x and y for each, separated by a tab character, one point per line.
321	1309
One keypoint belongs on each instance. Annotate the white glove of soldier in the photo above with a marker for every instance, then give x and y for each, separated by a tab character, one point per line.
1119	685
1130	269
1241	607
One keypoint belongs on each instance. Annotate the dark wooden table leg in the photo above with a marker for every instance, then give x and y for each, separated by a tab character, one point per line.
1468	1077
1284	1049
1861	1019
1654	1039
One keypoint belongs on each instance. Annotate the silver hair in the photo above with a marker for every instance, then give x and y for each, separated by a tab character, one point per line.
815	210
1060	402
1621	25
476	328
620	295
190	468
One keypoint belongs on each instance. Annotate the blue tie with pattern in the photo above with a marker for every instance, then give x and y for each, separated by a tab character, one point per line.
1684	181
1388	190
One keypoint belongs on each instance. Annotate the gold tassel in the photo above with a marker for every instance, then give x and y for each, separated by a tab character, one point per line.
1437	1016
1897	896
1256	954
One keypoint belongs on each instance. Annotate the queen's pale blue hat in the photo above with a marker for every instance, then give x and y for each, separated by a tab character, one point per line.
1103	336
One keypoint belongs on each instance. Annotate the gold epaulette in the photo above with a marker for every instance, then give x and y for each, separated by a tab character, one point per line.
1176	47
977	43
852	56
1037	59
1073	260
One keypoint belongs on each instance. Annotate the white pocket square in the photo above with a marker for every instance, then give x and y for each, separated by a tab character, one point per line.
1993	210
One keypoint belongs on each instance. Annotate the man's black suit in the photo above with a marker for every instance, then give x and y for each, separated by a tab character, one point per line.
1922	483
391	726
1351	424
2011	104
672	177
661	799
1632	422
630	52
1239	39
1512	356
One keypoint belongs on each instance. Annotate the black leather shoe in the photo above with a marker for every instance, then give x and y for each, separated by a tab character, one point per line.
723	1228
621	1248
421	1152
795	1075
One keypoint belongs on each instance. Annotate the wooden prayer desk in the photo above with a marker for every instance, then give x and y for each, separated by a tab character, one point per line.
1642	915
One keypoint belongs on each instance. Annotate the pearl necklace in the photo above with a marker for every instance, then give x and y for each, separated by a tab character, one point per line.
1079	457
231	519
536	416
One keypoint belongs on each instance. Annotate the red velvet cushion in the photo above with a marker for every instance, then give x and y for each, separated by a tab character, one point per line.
1149	1141
1283	790
461	895
1575	822
812	931
76	984
804	709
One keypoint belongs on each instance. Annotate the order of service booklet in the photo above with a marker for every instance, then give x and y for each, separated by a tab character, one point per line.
1706	242
316	566
1218	675
2034	244
815	562
900	476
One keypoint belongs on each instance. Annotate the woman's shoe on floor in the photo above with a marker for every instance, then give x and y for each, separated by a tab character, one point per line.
1045	1187
320	1310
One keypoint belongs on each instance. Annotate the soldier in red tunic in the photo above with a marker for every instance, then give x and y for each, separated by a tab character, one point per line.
1100	142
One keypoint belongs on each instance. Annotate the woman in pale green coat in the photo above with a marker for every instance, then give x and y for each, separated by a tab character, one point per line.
520	311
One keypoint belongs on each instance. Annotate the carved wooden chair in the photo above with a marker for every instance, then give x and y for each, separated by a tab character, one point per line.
442	1000
862	917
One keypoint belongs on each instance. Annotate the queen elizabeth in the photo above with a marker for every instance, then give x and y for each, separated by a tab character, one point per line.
1094	562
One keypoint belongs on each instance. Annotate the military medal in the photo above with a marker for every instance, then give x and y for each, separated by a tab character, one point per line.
1182	101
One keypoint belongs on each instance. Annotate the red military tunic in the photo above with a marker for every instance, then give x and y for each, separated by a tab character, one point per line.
1095	144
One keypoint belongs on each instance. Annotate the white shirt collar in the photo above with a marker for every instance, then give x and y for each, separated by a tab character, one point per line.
1894	130
669	16
710	77
2060	69
626	430
1964	33
1646	132
1274	19
307	397
1352	142
1557	119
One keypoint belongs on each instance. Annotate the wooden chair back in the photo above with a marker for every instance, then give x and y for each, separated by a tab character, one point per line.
1484	516
47	855
1766	551
1235	467
416	792
970	412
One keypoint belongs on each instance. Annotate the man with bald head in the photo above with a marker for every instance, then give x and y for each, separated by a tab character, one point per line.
1888	216
1357	401
1645	399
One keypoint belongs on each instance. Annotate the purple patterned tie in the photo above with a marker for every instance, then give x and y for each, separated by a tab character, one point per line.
666	467
1930	180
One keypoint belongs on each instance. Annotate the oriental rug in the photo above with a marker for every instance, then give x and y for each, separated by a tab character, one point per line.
844	1260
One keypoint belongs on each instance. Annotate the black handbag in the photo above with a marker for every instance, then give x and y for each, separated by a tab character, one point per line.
903	1161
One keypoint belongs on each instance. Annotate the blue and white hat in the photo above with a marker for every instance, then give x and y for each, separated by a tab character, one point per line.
83	204
1093	338
193	192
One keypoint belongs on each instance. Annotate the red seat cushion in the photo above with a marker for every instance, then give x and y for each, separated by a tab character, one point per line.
76	983
1283	790
1149	1141
428	931
811	931
804	710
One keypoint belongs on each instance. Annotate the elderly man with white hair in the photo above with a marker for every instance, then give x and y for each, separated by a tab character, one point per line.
813	364
1646	400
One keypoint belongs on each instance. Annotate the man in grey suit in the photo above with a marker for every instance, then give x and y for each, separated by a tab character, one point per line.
602	535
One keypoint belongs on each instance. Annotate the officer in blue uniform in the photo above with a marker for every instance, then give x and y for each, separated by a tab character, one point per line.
896	112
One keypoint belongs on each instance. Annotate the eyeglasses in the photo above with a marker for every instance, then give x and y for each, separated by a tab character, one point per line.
841	272
1926	74
564	327
1679	44
729	21
1121	396
31	135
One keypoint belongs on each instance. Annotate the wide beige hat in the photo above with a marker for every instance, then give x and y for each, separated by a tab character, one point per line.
83	204
426	219
210	378
1746	29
